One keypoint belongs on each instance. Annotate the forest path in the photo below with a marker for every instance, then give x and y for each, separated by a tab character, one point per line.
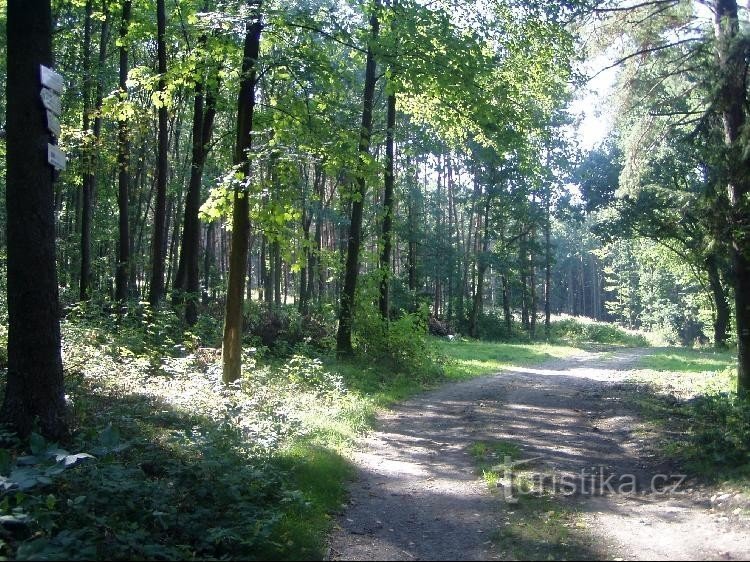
418	495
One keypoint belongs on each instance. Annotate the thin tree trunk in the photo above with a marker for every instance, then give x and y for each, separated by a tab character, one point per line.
123	164
547	265
156	289
209	259
506	304
188	277
346	311
721	322
482	263
731	100
277	273
88	161
249	293
532	289
232	341
387	235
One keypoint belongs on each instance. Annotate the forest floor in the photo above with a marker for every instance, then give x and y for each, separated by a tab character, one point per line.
485	469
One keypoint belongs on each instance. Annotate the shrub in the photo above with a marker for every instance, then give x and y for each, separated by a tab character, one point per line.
573	330
719	430
283	328
491	326
399	344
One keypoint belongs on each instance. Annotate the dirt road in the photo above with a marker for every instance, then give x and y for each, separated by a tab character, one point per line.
418	495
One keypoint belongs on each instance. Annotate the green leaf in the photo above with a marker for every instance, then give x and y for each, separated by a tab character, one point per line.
37	443
109	437
5	462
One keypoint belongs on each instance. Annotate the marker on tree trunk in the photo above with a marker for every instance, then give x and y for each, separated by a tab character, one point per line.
56	157
51	101
53	85
51	79
53	124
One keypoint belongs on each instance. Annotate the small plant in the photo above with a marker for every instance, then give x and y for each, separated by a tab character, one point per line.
401	344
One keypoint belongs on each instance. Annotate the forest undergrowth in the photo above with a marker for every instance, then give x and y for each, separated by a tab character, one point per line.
167	462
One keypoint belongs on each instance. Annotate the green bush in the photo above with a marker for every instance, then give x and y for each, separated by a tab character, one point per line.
491	326
401	345
719	433
572	330
283	328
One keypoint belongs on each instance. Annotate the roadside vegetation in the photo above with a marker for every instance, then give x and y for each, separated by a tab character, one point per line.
168	462
689	397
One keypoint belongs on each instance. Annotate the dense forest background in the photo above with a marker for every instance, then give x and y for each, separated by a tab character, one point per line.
493	214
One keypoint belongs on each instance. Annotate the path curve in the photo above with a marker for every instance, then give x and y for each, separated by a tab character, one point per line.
417	495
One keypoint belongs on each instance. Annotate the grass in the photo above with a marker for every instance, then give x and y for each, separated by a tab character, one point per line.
687	398
472	358
536	525
541	528
585	331
681	361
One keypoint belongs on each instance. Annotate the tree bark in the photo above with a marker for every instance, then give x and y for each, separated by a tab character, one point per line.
482	264
158	257
532	285
547	263
721	322
209	260
232	341
346	310
34	388
84	281
731	101
188	277
506	304
387	235
123	165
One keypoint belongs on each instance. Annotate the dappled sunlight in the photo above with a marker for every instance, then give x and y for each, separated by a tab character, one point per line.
422	454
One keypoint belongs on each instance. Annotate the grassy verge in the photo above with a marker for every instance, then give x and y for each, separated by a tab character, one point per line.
536	524
472	358
688	399
580	331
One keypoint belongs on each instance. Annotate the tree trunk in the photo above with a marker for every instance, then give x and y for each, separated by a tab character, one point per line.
385	256
346	310
188	278
232	341
265	271
731	99
523	261
532	286
482	264
721	322
277	273
506	304
34	389
123	165
547	266
88	162
158	257
305	287
411	259
209	259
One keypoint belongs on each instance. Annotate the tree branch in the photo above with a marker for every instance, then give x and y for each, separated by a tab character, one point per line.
643	52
